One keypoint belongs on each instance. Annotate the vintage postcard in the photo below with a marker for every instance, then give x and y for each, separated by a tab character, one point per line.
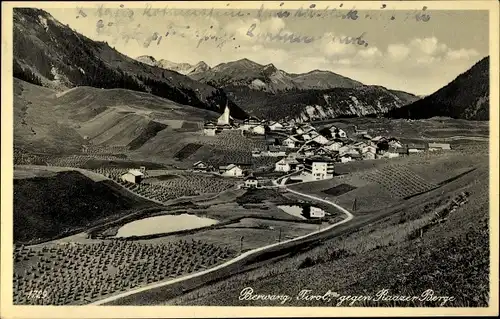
249	159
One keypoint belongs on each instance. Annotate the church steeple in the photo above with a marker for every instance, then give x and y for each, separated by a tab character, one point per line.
224	118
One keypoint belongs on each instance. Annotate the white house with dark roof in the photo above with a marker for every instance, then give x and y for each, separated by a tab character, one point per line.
200	166
251	182
290	142
133	176
320	139
209	129
369	152
286	164
273	126
439	146
276	151
416	148
231	170
394	142
258	129
333	145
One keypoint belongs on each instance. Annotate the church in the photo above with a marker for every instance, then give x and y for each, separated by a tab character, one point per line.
223	122
224	118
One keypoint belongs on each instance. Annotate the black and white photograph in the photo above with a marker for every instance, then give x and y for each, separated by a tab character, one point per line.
250	154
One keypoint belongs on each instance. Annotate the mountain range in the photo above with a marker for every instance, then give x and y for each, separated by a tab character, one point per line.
50	54
268	78
466	97
182	68
267	92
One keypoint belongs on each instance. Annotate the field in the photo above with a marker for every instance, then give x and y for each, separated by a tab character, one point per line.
79	273
51	203
256	233
399	180
115	118
187	151
434	129
339	189
437	240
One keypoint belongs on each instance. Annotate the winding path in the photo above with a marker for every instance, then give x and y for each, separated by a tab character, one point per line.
246	255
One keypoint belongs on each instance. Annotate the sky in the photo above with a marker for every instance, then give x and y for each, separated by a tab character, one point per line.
389	48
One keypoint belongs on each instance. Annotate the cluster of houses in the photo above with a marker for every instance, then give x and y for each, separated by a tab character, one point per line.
251	125
301	147
333	142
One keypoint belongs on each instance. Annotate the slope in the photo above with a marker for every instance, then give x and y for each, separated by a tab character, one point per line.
62	122
50	206
51	54
267	92
305	105
466	97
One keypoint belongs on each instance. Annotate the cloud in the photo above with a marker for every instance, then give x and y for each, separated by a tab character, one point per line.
369	54
462	54
398	52
428	46
328	47
427	51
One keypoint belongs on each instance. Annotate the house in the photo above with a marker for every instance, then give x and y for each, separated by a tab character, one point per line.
333	146
391	152
345	149
416	148
251	182
316	212
308	151
322	152
286	164
319	167
360	145
308	128
359	132
395	152
290	142
313	212
299	130
209	129
273	126
337	132
231	170
356	157
369	152
200	166
394	142
306	137
225	127
378	139
345	158
258	129
367	137
439	146
132	176
276	151
320	139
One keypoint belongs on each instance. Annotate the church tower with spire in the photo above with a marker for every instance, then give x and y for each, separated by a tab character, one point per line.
224	118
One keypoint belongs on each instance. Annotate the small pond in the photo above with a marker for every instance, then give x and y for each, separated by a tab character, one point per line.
163	224
304	211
